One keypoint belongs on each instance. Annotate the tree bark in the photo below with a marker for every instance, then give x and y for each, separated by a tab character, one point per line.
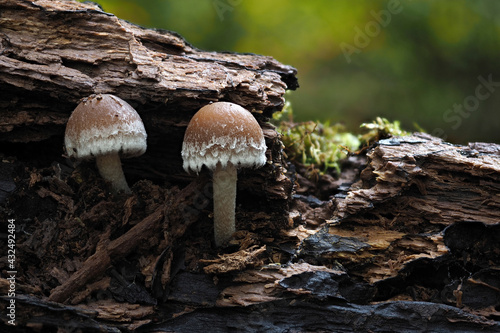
53	53
411	190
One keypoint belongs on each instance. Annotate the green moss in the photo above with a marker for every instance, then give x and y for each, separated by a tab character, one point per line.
380	128
315	144
320	146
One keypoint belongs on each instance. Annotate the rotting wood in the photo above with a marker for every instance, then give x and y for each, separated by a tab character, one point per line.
234	261
365	261
356	252
110	251
107	251
411	190
53	53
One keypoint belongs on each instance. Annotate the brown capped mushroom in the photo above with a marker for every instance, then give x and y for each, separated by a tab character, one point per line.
223	136
105	127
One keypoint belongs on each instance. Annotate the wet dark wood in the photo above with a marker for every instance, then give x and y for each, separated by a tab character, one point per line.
411	190
108	251
372	250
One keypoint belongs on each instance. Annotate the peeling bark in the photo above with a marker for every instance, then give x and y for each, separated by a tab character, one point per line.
367	252
53	53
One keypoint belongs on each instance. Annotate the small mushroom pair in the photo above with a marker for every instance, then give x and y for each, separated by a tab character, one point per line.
222	136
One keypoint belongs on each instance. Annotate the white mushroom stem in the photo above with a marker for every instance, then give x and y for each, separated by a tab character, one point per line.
224	181
110	168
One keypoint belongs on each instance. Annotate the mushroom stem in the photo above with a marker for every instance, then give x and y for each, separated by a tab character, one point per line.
224	182
110	168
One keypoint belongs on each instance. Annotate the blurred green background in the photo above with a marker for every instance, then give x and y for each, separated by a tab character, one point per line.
433	63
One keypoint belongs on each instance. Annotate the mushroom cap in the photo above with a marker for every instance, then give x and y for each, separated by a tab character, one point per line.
223	133
103	124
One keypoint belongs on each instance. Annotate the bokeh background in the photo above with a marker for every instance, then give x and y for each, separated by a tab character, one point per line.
433	64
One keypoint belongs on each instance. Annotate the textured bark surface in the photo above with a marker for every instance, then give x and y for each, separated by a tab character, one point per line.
411	190
371	257
66	50
53	53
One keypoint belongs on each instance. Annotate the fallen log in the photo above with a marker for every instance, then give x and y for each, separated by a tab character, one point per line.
357	260
411	190
405	239
54	53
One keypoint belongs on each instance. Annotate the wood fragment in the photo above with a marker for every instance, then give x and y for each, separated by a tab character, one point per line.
107	252
411	189
234	261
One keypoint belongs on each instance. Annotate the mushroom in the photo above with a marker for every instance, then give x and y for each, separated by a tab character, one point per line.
105	127
223	136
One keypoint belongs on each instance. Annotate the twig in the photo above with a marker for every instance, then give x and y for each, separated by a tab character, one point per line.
107	252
